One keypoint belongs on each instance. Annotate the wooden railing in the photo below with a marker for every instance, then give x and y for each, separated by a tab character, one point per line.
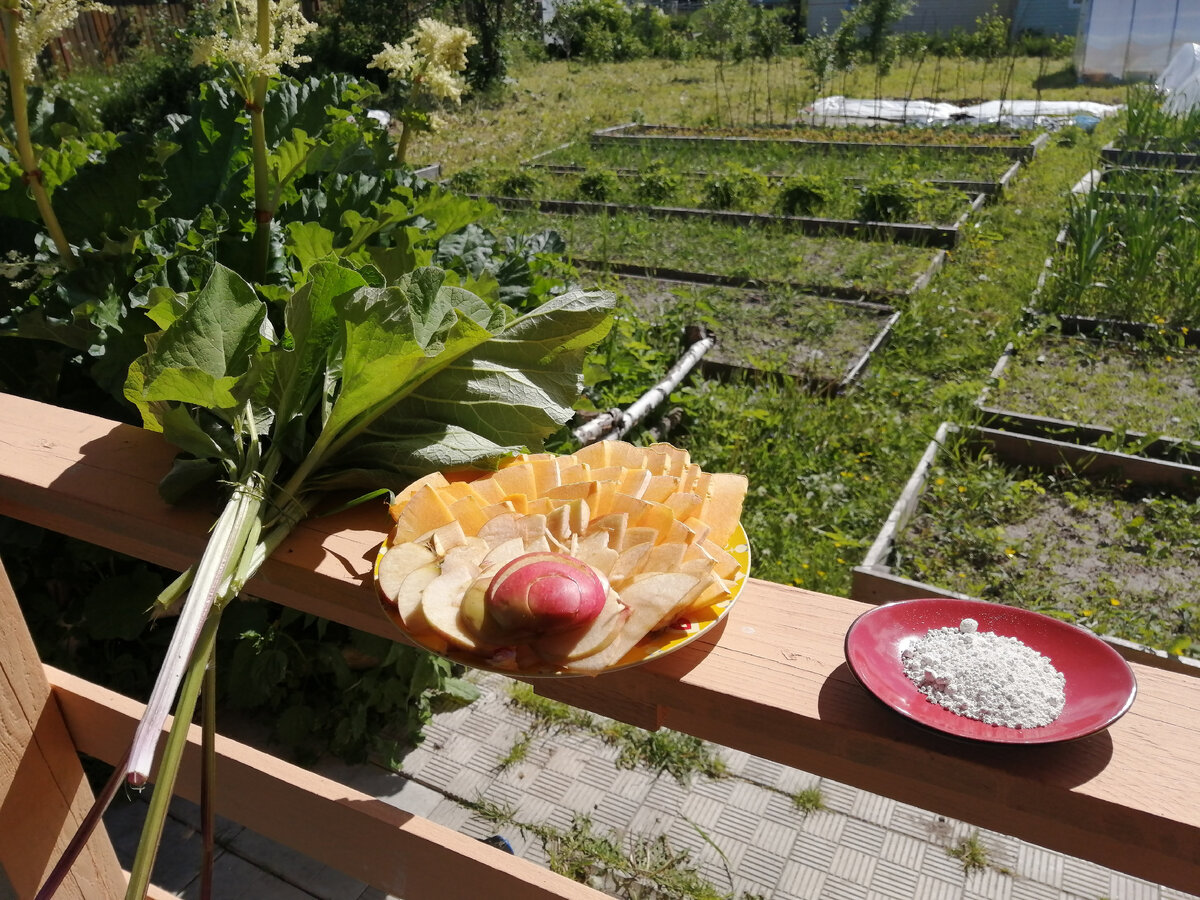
772	681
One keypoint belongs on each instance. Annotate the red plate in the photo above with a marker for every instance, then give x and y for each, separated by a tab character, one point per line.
1099	684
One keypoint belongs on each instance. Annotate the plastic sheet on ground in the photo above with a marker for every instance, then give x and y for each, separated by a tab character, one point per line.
1180	80
1008	113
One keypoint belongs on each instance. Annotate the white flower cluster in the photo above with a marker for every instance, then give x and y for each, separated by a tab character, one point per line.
431	57
40	20
240	45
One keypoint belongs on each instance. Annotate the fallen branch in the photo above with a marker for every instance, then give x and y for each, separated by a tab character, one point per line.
615	424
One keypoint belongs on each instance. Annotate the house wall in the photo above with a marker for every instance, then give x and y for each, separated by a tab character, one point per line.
1046	16
1059	17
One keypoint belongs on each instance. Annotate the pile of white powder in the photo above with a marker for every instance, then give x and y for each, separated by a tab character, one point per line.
985	676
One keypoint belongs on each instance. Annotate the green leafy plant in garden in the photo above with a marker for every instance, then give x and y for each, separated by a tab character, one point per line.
255	280
518	182
599	185
802	195
29	25
735	188
894	199
656	184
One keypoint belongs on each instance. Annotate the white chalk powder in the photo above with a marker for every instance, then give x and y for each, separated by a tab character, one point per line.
985	676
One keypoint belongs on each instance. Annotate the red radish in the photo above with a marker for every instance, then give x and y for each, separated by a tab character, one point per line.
545	593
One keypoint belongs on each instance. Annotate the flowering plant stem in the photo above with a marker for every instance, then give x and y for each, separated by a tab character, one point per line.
264	210
168	769
10	15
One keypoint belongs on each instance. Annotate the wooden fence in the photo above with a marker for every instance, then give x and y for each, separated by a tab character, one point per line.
99	40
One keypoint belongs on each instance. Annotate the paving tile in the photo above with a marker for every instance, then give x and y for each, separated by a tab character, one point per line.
798	881
740	823
852	865
864	837
988	884
836	888
931	888
747	887
762	771
1025	889
873	808
614	811
904	850
761	866
823	823
1085	879
179	854
415	798
774	838
838	797
1041	865
1128	888
294	867
703	811
940	864
894	880
813	850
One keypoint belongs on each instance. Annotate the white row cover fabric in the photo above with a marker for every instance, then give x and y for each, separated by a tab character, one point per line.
1180	80
1009	113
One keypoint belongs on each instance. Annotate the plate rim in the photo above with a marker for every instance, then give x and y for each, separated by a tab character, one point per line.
738	539
1007	736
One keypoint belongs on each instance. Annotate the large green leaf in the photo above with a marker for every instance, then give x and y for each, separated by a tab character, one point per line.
397	337
505	394
212	158
204	357
111	197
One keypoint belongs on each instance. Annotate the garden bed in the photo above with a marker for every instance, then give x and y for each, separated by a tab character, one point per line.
1125	262
732	255
1146	157
937	236
823	343
969	172
1110	541
974	140
1115	394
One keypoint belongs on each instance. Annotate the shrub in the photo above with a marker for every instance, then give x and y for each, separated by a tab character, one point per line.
657	184
599	185
802	195
893	199
595	30
469	181
735	189
516	183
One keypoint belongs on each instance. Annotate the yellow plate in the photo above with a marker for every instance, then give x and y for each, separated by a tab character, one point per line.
653	646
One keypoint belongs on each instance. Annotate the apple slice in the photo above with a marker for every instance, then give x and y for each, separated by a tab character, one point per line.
443	596
651	598
568	646
397	564
629	563
409	596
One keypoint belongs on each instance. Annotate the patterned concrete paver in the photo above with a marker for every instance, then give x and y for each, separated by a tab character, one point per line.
742	833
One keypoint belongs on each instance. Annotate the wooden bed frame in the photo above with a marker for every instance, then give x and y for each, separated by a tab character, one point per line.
772	681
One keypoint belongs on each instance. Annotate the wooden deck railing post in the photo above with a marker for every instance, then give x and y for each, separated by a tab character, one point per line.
43	791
